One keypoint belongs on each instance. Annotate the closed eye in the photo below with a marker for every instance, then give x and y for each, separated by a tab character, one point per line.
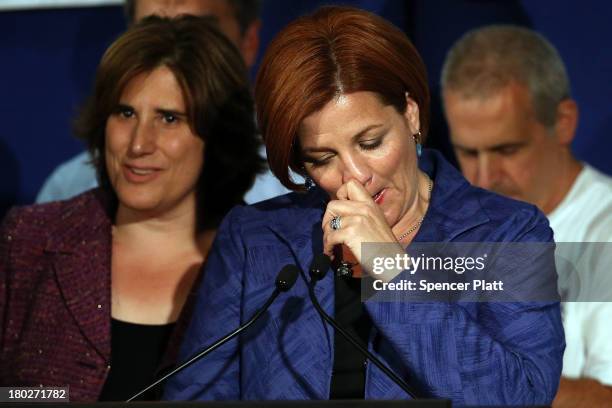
319	161
467	152
508	150
371	144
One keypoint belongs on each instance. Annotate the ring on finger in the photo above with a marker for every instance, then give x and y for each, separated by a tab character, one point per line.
336	223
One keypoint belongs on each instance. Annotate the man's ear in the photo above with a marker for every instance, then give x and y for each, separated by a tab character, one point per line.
412	114
250	43
567	121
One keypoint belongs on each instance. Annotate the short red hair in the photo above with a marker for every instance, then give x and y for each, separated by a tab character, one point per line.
336	50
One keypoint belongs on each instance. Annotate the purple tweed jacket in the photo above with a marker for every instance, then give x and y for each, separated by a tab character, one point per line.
55	293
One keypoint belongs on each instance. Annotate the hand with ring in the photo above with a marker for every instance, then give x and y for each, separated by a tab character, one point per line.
354	218
335	223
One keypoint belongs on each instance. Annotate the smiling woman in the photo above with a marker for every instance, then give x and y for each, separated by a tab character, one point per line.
100	285
203	74
153	157
342	99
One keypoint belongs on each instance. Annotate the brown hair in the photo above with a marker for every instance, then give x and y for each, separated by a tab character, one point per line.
214	83
336	50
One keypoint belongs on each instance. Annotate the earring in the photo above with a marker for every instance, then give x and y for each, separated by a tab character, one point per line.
309	184
417	140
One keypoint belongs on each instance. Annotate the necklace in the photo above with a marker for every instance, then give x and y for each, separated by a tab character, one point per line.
418	223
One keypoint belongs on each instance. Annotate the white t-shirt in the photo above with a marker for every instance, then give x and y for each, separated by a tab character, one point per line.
585	216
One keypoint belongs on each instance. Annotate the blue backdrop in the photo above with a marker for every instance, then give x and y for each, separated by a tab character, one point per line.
48	59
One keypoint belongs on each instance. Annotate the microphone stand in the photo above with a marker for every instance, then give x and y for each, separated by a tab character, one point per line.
285	280
317	272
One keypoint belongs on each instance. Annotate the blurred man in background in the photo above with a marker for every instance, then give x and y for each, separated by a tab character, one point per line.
507	101
239	21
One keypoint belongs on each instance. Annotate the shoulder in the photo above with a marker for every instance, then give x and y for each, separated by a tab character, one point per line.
286	214
30	223
509	219
37	223
460	211
597	179
585	214
598	222
500	209
69	179
78	167
266	186
598	195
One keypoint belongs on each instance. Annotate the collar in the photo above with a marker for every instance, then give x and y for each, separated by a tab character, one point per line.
297	219
454	206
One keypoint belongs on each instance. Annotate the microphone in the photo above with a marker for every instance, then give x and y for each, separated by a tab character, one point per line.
284	281
318	269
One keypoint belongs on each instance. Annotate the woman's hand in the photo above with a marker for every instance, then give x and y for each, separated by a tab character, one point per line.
361	221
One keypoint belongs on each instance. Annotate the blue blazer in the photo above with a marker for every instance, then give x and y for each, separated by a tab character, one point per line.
471	353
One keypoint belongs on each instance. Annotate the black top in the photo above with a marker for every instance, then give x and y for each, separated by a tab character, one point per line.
136	352
348	375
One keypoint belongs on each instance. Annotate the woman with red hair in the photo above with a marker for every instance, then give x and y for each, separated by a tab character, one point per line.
342	99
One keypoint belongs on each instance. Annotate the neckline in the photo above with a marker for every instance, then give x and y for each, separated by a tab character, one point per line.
144	325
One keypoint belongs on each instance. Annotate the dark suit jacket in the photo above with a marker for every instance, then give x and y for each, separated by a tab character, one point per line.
55	263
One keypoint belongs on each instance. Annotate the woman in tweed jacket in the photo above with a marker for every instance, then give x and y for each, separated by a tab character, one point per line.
92	287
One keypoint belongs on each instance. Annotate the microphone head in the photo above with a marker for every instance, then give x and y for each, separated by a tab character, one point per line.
287	277
319	266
